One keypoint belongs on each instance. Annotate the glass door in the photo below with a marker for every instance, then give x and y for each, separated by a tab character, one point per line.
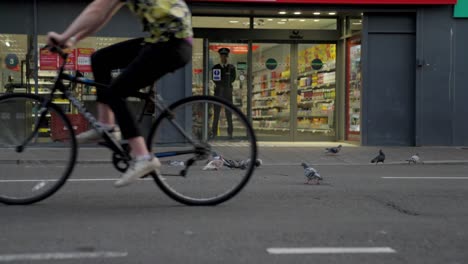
227	66
271	78
316	92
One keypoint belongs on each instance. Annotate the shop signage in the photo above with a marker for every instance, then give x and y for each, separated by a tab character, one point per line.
48	60
11	61
461	9
295	34
317	64
241	66
271	64
83	60
216	74
70	65
342	2
235	49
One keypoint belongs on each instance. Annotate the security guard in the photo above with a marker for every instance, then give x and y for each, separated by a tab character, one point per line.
223	88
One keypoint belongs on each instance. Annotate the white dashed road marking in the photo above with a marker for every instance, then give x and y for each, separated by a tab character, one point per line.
427	178
61	256
69	180
331	250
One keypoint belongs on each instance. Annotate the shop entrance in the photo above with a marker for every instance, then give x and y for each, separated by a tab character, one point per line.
293	91
287	89
285	72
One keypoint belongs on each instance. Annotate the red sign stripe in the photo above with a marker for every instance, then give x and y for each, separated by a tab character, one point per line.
344	2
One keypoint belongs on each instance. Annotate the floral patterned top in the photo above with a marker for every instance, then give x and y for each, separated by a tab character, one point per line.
163	19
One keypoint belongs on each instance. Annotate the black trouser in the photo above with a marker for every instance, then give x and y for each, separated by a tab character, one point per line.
228	113
143	64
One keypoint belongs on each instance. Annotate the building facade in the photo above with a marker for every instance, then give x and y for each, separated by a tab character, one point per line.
306	70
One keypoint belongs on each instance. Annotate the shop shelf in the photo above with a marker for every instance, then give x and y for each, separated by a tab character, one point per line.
283	91
265	98
262	117
311	116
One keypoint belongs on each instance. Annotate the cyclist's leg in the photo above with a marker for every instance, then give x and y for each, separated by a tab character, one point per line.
104	61
153	61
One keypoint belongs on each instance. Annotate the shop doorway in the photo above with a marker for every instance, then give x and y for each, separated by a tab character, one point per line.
287	89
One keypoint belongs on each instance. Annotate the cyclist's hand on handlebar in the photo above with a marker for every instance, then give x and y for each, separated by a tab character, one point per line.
55	39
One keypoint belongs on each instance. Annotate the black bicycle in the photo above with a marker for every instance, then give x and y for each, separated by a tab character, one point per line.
37	162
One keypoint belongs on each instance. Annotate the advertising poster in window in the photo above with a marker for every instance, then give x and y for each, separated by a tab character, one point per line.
71	60
48	60
83	61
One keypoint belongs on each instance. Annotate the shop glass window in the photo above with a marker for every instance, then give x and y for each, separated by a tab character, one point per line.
197	67
220	22
79	60
295	23
271	112
316	89
13	53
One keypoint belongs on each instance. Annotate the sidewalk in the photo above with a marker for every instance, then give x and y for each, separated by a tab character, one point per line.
287	153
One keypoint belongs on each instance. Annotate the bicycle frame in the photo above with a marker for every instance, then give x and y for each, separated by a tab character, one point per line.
110	142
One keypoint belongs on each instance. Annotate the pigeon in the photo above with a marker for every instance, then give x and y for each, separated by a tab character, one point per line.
379	158
214	165
333	150
414	159
241	164
311	174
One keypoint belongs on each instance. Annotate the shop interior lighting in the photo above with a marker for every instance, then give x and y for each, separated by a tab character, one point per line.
317	13
284	20
7	43
302	20
297	13
282	12
270	19
316	20
281	22
233	21
332	13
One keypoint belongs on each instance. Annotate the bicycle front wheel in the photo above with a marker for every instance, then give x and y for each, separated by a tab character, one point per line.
43	166
227	156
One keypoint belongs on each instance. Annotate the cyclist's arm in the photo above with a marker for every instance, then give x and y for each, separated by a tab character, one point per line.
94	17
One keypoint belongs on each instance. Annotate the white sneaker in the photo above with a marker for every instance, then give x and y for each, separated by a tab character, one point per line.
138	169
93	136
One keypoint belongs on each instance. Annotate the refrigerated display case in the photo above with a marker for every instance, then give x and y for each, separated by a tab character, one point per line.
353	89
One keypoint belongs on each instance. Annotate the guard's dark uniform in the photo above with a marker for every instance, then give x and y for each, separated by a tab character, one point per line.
223	89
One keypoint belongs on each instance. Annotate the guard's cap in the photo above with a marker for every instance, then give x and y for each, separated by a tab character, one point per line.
224	51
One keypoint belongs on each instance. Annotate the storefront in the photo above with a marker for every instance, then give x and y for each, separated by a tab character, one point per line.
339	70
372	72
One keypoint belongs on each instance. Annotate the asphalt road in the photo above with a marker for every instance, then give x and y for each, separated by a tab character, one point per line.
415	220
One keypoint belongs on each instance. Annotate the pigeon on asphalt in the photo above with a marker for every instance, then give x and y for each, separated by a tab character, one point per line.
311	174
379	158
241	164
414	159
333	150
214	165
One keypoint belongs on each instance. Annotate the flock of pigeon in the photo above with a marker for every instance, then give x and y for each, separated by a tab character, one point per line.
312	175
217	162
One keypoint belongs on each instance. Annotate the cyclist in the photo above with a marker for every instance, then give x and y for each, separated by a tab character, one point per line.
144	60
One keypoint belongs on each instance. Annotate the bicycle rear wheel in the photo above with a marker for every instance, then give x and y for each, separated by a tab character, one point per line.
212	179
46	162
